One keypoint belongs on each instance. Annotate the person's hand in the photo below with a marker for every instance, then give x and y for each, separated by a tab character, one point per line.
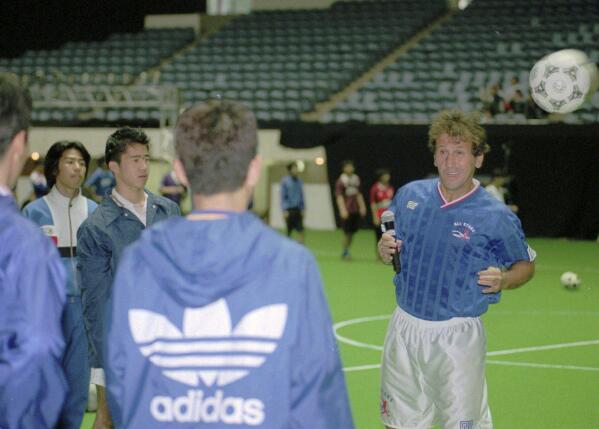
376	221
387	246
492	278
285	214
362	212
343	214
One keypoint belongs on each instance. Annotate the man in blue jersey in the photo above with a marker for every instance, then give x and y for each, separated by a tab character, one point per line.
59	214
292	201
232	329
101	181
32	288
117	222
459	248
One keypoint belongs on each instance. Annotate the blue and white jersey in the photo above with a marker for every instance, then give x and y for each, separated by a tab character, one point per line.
61	217
218	321
102	181
445	245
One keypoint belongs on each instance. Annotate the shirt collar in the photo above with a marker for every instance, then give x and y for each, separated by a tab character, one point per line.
458	200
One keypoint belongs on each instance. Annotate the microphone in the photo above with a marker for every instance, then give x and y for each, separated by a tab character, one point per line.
388	225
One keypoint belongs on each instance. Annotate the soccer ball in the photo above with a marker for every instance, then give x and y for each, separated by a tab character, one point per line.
570	280
562	81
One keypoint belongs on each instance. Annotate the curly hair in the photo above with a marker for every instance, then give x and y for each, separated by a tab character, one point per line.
216	141
456	123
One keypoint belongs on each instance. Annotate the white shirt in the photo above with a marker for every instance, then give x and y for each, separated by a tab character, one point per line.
68	215
139	210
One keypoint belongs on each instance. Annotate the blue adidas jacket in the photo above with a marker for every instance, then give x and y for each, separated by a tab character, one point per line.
101	240
221	323
32	298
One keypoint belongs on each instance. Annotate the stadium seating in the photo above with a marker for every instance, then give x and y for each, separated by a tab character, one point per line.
283	62
116	60
488	43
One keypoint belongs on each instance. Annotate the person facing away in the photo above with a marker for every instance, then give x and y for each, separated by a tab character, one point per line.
32	287
350	204
459	248
117	222
232	328
101	181
292	201
60	213
381	195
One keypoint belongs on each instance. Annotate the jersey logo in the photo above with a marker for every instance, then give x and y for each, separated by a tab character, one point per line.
208	348
412	205
462	230
532	255
467	424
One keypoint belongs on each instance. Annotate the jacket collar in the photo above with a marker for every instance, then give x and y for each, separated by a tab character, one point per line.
112	210
7	202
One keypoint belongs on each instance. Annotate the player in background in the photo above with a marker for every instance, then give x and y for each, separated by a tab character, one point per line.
232	328
101	181
350	204
381	195
459	248
117	222
61	212
292	201
32	287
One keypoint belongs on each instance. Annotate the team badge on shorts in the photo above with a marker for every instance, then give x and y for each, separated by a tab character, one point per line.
386	400
467	424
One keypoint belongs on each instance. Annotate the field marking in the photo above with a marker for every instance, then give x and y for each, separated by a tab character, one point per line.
542	365
546	347
349	322
361	344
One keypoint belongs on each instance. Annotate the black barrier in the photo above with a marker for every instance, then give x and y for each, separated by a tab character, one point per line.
555	167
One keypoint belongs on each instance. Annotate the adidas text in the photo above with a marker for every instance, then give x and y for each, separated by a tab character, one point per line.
194	407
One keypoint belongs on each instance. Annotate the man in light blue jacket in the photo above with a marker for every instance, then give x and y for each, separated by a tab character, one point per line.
59	214
32	288
232	329
117	222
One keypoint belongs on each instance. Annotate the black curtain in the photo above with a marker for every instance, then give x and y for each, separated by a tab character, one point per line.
555	167
47	24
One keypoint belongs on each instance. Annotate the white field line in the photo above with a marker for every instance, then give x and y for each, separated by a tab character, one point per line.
361	344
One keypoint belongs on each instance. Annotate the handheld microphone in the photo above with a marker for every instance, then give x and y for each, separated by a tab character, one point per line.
388	225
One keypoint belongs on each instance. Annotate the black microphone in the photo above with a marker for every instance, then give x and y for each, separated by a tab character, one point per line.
388	225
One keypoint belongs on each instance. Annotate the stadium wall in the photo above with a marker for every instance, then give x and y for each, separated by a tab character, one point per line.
554	166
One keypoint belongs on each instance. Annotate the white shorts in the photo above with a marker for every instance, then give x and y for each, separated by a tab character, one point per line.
434	373
98	377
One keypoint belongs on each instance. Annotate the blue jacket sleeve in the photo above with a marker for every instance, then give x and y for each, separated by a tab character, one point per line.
95	272
32	299
318	394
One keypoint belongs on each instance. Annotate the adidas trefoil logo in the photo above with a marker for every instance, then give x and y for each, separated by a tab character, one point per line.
208	348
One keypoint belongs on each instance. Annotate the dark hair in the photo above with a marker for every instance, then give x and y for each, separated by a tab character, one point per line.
216	141
291	165
55	153
118	141
15	109
346	162
381	172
